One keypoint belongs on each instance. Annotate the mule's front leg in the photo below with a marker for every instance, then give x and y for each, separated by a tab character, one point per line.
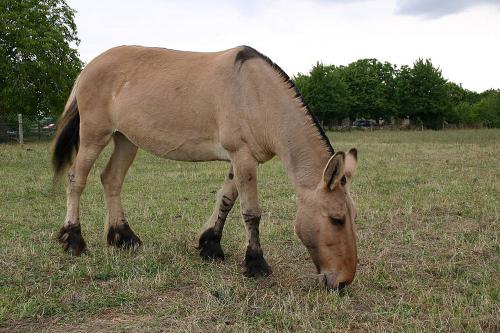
210	237
245	168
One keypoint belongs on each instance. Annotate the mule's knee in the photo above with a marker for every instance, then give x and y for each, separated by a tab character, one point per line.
226	204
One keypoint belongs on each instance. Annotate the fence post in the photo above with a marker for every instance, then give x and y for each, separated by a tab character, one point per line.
21	134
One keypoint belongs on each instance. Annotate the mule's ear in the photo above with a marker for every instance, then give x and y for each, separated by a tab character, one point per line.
351	162
334	170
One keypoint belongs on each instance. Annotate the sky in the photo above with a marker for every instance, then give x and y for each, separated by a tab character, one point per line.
461	37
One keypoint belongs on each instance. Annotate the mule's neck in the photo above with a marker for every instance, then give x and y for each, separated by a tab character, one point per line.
301	148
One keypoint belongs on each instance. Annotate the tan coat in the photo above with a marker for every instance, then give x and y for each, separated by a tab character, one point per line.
234	105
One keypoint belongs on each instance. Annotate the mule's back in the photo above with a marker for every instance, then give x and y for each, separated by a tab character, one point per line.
164	101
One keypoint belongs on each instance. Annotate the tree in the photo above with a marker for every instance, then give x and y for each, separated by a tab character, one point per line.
463	113
325	92
488	108
403	93
372	88
487	93
38	59
423	94
459	95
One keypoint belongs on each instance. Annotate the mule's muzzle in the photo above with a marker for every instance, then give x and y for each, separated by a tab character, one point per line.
329	280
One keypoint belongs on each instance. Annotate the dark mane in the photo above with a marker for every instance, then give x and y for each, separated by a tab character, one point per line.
248	53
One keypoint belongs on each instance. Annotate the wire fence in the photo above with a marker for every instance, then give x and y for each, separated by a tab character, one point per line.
29	128
26	128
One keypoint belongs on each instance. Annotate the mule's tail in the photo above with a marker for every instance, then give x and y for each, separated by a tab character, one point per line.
67	136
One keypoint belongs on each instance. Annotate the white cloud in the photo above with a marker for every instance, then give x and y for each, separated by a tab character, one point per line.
296	34
439	8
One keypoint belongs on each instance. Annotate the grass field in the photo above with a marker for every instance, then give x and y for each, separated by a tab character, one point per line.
428	228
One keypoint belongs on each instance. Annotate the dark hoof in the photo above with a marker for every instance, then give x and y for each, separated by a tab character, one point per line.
71	238
256	266
209	246
123	237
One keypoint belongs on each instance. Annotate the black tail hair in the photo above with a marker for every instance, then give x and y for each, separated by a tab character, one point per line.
67	138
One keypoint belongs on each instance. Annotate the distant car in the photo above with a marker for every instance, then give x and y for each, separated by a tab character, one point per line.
49	127
364	124
12	134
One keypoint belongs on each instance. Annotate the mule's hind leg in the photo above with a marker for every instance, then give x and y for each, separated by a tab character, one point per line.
119	232
70	234
210	237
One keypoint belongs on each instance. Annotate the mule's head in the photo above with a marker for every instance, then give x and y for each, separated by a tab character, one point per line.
325	222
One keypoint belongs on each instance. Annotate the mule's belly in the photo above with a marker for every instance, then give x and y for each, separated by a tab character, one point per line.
172	147
195	152
170	127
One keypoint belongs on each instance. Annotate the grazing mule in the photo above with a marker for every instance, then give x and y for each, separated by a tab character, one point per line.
234	105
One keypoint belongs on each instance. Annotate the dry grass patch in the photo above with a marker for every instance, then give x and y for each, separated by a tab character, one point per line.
428	227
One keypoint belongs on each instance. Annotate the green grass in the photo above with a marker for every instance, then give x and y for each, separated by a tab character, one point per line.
428	228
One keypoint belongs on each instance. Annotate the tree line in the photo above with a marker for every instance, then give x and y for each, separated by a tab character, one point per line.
370	89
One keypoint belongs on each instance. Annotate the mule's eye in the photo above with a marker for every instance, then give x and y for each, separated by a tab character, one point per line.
336	221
